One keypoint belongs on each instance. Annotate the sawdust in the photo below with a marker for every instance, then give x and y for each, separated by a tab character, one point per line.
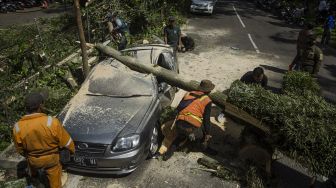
221	65
77	101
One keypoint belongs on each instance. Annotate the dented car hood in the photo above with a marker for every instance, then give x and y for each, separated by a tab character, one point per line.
111	102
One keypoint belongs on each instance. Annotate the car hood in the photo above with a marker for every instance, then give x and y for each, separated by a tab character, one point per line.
99	115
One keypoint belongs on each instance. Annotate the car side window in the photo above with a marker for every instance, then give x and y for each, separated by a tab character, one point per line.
166	61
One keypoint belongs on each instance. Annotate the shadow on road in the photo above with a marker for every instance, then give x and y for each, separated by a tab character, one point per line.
329	86
284	24
291	178
289	38
274	69
329	51
331	69
92	175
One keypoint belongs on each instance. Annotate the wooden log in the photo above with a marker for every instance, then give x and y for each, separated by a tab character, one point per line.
209	163
70	80
177	80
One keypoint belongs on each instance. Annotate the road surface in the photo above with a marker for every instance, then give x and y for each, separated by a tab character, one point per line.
254	29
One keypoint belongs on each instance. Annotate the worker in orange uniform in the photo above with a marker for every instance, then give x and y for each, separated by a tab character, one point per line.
193	119
39	138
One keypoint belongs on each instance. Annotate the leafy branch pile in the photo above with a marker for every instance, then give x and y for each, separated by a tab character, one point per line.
300	83
303	124
25	49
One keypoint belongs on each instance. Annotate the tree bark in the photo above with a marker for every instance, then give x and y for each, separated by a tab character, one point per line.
177	80
81	37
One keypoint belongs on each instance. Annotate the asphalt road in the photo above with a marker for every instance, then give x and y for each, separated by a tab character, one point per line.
259	31
29	15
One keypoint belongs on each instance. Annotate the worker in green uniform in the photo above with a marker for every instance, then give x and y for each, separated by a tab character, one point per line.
309	59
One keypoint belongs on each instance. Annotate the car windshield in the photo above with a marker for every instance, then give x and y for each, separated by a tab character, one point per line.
143	56
116	80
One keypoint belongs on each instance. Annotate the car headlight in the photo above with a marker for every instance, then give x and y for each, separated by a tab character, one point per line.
126	143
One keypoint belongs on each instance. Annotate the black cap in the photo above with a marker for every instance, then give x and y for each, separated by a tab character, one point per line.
33	101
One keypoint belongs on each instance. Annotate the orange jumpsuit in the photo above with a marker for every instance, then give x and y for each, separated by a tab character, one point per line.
39	137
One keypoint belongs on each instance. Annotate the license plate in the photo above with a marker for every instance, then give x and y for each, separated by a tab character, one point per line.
83	161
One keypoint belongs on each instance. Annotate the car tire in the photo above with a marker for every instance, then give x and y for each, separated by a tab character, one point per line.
154	142
211	13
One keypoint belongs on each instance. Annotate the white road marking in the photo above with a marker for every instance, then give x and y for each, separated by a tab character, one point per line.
241	21
254	45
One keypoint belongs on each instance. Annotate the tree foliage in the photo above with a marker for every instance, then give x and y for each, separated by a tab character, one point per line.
300	83
303	124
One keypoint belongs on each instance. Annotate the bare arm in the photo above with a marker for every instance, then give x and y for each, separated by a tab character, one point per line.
165	36
180	39
206	119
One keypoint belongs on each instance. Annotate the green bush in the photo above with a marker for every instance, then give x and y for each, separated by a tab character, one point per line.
303	126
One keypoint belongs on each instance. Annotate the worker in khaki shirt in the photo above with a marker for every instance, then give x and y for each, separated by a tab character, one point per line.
39	138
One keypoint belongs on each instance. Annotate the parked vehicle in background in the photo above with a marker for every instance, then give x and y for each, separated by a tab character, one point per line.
113	119
202	6
14	5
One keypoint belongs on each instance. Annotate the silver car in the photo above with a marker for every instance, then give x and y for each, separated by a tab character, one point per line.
202	6
113	119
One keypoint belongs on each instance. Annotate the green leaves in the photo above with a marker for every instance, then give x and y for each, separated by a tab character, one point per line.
300	83
306	120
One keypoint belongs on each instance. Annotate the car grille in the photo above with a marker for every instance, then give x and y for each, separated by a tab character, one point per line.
90	149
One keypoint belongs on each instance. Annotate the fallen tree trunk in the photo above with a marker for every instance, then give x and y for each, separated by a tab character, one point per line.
177	80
